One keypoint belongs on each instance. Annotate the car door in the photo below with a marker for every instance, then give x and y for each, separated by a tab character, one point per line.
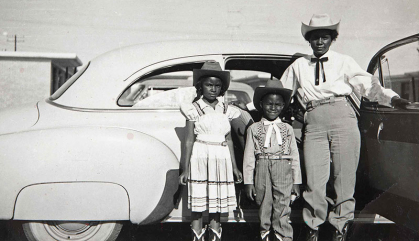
390	137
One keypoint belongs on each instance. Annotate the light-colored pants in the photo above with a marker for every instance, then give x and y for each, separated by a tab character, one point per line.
273	183
331	150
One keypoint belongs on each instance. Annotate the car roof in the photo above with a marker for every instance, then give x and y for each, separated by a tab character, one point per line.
108	72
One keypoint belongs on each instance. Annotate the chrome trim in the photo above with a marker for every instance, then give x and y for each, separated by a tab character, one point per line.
126	109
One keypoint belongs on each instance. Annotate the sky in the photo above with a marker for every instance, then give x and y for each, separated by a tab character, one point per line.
92	27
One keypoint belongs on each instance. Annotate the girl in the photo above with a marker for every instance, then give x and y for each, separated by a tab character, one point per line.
209	160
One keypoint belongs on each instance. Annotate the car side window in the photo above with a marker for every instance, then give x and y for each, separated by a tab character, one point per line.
165	90
167	99
400	71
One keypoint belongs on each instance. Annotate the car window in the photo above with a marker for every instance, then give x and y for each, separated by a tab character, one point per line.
170	87
167	99
257	71
236	95
400	71
137	95
166	88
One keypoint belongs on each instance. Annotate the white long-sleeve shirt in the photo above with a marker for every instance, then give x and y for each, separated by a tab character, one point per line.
343	76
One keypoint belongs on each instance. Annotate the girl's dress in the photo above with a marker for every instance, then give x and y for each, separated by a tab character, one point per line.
211	181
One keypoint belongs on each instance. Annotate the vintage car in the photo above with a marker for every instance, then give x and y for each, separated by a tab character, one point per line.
106	146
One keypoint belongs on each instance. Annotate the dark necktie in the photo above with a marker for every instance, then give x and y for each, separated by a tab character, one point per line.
318	63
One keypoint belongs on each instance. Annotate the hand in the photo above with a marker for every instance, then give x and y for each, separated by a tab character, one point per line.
250	191
238	175
183	178
295	193
239	104
399	103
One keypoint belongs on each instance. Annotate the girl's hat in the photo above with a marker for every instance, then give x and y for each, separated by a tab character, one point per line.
212	69
319	21
271	87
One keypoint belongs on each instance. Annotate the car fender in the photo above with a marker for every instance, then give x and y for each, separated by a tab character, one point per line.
136	161
72	201
15	119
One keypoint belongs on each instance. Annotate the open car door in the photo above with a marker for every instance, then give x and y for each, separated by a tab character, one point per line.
390	137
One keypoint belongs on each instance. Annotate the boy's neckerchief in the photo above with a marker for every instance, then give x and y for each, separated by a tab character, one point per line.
272	125
260	125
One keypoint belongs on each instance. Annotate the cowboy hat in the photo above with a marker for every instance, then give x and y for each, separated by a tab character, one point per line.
212	69
271	87
319	21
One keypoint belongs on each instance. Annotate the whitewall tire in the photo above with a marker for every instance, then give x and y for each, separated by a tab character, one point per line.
65	230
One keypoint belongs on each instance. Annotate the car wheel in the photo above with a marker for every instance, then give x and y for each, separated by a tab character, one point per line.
64	230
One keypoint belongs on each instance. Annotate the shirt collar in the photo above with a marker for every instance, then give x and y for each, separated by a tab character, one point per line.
264	119
203	105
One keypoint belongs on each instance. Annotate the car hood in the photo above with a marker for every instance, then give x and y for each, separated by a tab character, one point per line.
17	119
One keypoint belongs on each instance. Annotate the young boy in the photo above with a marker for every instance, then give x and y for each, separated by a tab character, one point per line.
271	154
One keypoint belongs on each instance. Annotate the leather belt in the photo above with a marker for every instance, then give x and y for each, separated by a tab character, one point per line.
330	100
224	143
274	157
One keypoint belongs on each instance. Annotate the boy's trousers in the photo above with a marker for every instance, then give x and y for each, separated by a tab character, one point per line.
273	184
331	151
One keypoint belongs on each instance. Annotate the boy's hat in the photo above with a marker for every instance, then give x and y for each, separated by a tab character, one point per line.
212	69
319	21
271	87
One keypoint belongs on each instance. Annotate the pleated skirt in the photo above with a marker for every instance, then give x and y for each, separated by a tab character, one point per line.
211	179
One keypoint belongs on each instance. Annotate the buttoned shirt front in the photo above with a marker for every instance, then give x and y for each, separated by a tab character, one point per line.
253	149
343	76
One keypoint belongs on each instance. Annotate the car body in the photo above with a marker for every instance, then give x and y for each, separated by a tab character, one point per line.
103	149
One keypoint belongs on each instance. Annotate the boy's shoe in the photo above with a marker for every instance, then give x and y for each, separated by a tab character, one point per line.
279	237
264	235
214	235
200	236
341	236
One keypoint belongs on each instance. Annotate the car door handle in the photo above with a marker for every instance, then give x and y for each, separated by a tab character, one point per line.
380	128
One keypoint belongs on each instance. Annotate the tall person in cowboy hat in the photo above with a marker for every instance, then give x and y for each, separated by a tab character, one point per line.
332	139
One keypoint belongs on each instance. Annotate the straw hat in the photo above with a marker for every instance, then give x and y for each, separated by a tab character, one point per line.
212	69
271	87
319	21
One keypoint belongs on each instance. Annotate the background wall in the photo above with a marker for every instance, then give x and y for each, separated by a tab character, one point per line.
24	81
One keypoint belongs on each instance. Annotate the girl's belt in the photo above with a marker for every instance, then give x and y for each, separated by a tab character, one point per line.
224	143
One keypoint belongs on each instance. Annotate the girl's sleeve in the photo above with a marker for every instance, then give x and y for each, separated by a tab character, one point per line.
233	112
189	111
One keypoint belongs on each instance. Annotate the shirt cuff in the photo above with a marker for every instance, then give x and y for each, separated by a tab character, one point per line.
250	106
247	179
296	176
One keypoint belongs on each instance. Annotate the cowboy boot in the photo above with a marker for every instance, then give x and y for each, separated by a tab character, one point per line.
214	235
264	235
341	236
198	237
312	234
279	237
